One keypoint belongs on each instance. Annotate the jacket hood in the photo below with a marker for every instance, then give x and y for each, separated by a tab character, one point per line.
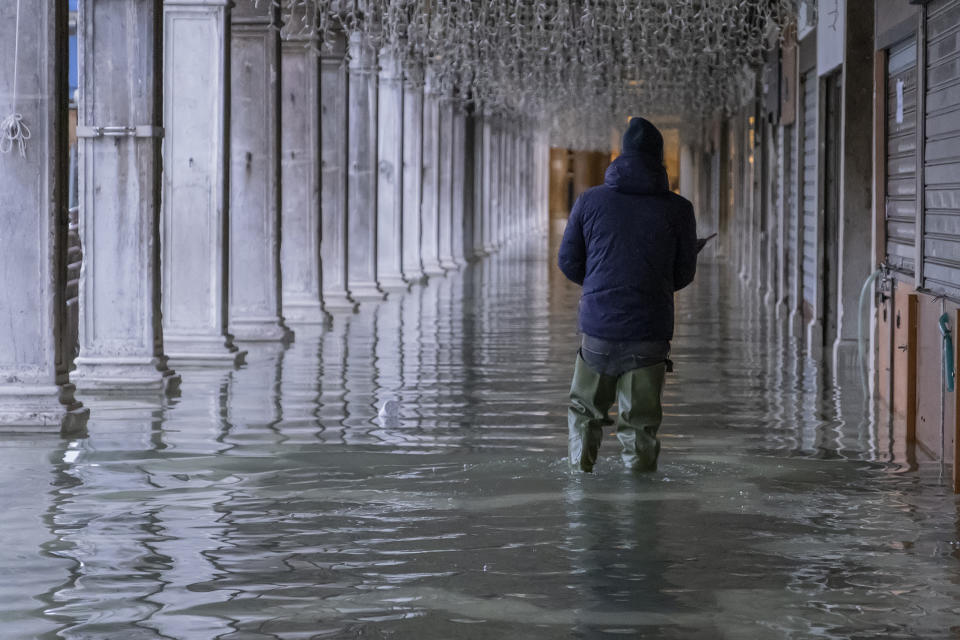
638	174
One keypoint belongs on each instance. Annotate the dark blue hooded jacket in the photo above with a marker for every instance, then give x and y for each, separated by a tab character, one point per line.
631	243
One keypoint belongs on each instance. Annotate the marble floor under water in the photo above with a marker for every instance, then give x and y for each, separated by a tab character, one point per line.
401	475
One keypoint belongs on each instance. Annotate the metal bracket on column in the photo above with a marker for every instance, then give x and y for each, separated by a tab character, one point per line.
119	131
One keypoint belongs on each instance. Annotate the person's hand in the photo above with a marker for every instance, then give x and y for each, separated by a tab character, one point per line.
702	242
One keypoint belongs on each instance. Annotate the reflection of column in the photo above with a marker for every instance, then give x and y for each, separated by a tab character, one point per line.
194	216
445	185
459	177
362	169
121	339
253	406
300	386
412	172
300	181
390	174
193	528
32	472
255	296
34	359
429	209
332	411
333	182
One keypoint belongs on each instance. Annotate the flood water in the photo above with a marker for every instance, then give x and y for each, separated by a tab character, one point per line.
401	475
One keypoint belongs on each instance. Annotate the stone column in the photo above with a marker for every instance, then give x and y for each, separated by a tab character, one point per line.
429	207
194	217
486	185
445	184
300	212
390	174
35	392
412	172
479	173
255	290
459	177
121	339
362	170
333	181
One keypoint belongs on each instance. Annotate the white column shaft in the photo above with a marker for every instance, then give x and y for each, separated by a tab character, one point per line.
333	180
35	393
459	177
362	170
390	174
300	258
121	339
445	189
255	289
412	174
194	215
430	201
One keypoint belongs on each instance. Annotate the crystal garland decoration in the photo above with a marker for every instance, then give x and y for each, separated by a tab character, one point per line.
576	67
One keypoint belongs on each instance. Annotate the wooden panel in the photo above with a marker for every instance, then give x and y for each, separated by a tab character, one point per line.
905	360
901	156
941	157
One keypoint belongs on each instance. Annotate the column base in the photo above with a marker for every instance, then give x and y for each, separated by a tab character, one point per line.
305	312
338	302
125	375
270	329
434	269
394	283
202	350
41	409
415	276
367	292
846	354
448	264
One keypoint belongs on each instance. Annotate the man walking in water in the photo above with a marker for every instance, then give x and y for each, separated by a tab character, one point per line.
631	244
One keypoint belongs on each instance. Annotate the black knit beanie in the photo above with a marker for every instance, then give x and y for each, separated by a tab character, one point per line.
642	138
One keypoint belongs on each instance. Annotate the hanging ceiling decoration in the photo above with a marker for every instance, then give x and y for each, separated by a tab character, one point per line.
578	67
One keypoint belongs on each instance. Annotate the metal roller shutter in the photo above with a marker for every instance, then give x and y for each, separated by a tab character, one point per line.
809	187
941	158
901	182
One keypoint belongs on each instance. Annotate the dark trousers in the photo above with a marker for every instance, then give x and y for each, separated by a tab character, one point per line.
637	392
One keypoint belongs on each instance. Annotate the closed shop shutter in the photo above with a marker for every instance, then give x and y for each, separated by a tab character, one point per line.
901	185
808	139
941	158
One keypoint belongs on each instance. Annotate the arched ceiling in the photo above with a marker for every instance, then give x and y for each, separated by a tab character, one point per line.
577	66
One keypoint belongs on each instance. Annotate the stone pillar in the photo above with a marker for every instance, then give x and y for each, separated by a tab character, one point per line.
486	185
412	172
194	218
362	170
35	392
479	173
459	178
496	172
300	212
255	290
445	184
333	181
121	338
429	208
390	174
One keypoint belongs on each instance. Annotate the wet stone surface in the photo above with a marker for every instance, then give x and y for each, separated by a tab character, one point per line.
402	476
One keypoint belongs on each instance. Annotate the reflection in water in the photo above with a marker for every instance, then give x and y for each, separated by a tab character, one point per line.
400	475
